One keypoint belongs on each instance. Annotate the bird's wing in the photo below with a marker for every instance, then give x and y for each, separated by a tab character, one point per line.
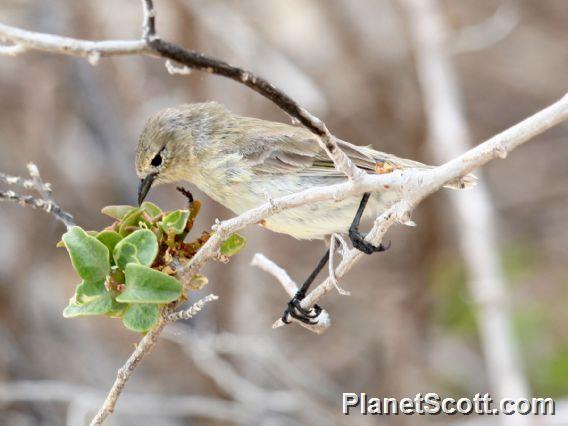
287	149
280	149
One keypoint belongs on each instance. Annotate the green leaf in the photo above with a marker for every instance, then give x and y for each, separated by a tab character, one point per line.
109	239
141	317
117	212
139	247
146	285
131	219
117	309
150	208
99	305
175	221
89	256
88	291
233	245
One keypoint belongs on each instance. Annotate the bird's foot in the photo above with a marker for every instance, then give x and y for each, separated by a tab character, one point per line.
295	310
359	242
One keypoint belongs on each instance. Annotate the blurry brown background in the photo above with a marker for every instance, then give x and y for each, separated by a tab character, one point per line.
409	325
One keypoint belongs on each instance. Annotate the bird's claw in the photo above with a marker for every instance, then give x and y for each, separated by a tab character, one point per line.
295	310
359	242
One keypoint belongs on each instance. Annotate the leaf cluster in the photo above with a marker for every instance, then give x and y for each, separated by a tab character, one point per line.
126	269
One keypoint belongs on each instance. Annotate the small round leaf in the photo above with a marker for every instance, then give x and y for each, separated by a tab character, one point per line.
232	245
175	221
109	239
96	306
139	247
89	256
117	212
141	317
150	208
146	285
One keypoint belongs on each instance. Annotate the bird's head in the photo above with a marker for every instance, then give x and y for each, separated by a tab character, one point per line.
171	142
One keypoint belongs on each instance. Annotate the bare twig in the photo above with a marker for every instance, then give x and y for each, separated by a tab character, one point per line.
143	347
124	373
30	40
17	180
46	202
267	265
186	314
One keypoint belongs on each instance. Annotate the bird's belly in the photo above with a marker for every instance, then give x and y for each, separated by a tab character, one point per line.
313	221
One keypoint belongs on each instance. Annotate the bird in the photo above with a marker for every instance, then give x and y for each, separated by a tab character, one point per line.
241	162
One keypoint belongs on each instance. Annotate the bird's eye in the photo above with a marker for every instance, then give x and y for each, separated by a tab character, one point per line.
157	160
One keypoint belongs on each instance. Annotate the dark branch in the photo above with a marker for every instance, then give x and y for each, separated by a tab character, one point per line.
149	25
211	65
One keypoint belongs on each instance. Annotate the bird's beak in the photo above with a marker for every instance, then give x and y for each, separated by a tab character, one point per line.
144	187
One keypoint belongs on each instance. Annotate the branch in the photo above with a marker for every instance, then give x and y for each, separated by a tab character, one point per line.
46	202
124	373
192	311
420	184
267	265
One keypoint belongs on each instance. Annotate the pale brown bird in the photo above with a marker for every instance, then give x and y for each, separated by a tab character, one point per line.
240	161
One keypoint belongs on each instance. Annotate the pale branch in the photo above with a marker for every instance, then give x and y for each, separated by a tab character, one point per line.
144	346
45	202
432	180
31	40
267	265
186	314
124	373
17	180
413	186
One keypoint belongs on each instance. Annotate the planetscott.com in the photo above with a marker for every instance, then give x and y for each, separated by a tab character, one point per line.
433	404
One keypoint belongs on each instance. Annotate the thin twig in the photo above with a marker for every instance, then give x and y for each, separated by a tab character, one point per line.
17	180
186	314
124	373
144	346
46	202
261	261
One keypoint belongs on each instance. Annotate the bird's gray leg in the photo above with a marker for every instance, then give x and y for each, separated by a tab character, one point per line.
294	308
358	239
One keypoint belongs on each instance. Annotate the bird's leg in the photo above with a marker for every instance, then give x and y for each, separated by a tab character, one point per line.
294	308
358	239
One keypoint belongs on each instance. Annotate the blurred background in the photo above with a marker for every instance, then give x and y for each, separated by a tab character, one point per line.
413	323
